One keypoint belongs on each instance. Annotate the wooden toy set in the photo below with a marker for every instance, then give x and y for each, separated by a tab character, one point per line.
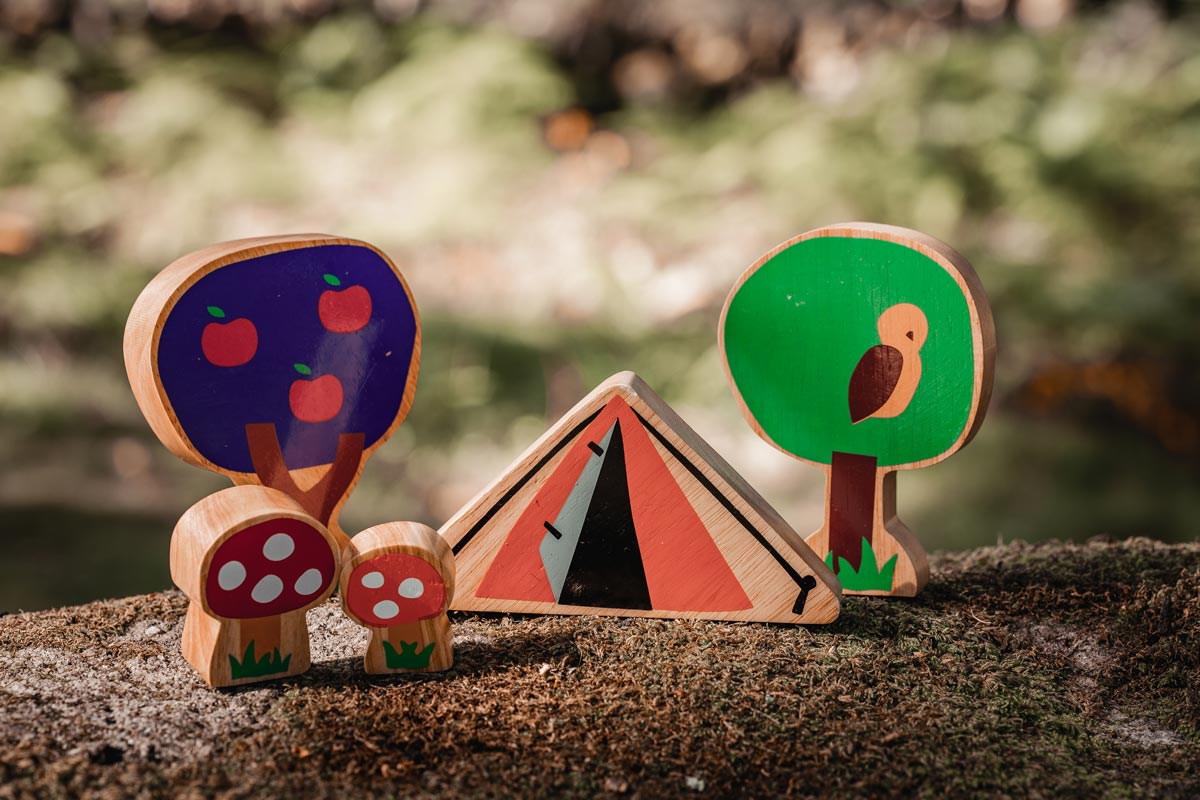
284	362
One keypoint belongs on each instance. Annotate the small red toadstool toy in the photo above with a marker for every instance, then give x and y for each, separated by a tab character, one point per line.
398	580
252	562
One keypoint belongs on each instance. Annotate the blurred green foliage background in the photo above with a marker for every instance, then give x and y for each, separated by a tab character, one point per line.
571	189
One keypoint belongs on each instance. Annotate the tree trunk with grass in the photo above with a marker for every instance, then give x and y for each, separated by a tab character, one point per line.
851	506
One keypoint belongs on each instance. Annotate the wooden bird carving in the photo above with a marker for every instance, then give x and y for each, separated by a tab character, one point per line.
887	375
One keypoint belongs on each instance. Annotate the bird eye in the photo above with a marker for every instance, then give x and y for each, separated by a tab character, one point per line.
910	335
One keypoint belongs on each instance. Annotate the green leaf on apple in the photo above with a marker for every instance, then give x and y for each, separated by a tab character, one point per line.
332	280
303	369
217	312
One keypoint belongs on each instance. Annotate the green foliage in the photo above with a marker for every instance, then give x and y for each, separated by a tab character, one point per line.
1061	164
408	657
868	576
252	667
1070	187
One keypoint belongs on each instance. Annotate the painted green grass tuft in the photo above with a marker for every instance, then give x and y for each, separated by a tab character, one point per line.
250	667
408	657
868	576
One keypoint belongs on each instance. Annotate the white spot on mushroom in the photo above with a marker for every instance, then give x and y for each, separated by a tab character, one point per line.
385	609
279	547
231	575
372	580
267	589
309	583
411	588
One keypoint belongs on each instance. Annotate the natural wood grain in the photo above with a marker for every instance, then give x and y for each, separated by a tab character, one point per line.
882	386
366	554
211	639
323	489
889	537
769	562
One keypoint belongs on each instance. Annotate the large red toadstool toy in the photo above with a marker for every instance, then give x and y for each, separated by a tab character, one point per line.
252	562
398	580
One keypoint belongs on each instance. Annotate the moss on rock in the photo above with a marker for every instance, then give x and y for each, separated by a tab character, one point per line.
1043	670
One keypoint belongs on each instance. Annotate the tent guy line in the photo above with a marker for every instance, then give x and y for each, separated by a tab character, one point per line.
516	487
732	509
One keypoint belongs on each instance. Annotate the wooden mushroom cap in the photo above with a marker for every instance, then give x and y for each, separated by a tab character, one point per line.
249	552
406	564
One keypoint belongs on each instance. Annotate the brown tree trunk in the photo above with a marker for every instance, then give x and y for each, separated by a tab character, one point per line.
321	499
851	506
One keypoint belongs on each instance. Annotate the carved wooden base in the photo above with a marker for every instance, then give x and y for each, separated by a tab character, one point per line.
424	646
230	652
891	561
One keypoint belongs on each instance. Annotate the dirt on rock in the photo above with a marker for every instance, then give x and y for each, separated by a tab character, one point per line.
1035	671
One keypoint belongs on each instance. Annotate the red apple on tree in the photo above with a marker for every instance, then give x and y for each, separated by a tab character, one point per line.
228	344
345	310
316	400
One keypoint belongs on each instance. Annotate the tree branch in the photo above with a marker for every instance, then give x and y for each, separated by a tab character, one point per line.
324	496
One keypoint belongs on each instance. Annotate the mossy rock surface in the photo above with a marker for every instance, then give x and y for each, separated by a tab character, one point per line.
1039	671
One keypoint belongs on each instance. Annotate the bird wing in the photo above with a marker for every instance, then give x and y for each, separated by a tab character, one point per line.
874	380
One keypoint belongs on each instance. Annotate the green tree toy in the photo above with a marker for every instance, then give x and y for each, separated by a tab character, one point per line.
864	349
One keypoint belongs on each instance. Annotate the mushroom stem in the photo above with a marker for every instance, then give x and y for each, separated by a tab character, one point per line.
210	642
265	632
410	642
201	633
408	632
